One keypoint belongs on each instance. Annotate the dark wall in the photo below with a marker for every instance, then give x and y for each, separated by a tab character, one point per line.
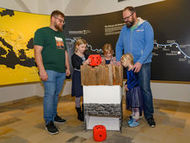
170	20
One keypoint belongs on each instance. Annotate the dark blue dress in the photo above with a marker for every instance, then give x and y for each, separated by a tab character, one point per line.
134	97
108	62
77	61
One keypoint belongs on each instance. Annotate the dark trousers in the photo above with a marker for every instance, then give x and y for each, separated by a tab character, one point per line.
144	81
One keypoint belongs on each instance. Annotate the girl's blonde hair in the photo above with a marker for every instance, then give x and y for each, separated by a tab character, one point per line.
79	42
126	57
107	48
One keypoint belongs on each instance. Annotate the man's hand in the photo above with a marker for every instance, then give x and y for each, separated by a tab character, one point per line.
43	75
137	67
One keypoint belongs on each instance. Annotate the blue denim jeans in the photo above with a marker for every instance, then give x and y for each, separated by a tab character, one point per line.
144	81
52	88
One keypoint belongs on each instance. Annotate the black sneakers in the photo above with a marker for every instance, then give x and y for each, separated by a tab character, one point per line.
51	128
59	119
151	122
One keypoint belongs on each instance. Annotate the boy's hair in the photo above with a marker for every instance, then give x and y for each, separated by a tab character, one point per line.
79	42
57	13
126	57
107	48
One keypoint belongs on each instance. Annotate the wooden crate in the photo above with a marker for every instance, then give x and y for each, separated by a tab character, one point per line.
102	75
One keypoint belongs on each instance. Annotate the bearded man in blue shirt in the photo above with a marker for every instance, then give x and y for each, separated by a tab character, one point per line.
137	37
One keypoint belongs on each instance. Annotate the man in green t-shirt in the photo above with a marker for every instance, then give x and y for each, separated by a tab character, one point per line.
53	63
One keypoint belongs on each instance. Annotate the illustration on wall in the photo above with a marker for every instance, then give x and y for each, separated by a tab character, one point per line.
17	63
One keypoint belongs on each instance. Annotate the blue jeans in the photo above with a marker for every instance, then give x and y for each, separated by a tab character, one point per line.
144	81
52	88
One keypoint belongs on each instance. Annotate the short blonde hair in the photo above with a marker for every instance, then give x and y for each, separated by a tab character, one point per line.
79	42
126	57
107	48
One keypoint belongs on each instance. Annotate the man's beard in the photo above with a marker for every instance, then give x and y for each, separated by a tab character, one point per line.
129	24
59	28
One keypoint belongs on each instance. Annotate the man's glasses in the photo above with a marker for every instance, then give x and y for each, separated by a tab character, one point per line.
60	20
125	18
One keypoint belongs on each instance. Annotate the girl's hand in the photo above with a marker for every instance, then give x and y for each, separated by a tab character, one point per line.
118	63
87	62
103	61
126	88
68	72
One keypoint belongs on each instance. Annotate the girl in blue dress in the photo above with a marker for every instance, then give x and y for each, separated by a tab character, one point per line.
78	58
134	99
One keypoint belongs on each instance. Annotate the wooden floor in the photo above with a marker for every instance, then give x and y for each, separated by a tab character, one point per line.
22	122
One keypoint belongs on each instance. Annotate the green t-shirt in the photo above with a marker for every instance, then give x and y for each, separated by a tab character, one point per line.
54	46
